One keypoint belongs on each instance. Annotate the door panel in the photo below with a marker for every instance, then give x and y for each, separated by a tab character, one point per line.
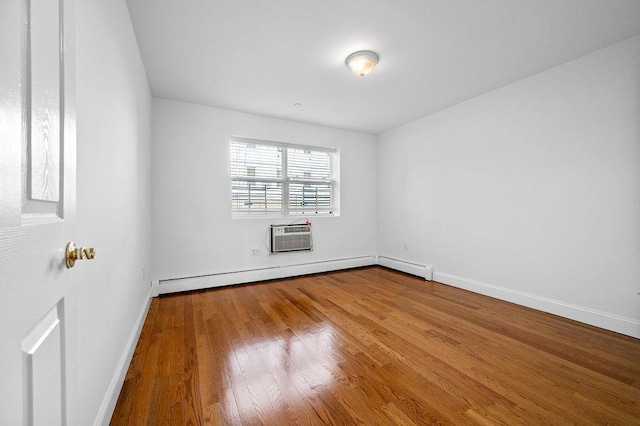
42	366
37	213
10	113
43	61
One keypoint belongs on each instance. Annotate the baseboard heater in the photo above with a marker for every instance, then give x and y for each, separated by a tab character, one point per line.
287	238
421	271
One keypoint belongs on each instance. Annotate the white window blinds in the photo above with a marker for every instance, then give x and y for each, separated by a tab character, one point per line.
278	178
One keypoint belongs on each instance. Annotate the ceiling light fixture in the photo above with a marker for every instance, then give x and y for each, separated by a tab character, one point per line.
362	62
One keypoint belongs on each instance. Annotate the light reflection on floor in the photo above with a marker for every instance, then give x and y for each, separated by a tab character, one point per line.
297	365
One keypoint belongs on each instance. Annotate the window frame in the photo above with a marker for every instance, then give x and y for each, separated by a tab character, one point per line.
285	181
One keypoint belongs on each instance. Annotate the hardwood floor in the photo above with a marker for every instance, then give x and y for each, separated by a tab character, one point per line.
376	347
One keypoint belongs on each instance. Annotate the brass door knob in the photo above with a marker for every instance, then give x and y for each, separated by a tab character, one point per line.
73	253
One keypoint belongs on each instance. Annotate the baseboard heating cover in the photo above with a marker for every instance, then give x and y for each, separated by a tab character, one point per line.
260	274
421	271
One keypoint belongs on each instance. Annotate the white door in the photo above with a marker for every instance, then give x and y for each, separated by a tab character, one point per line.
37	209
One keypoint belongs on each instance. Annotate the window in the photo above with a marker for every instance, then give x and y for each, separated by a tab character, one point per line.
277	178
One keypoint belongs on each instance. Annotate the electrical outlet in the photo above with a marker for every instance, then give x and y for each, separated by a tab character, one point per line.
406	247
255	251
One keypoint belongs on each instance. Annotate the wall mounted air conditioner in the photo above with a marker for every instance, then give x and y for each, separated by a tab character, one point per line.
285	238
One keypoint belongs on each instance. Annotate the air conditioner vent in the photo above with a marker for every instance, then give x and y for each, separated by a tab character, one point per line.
285	238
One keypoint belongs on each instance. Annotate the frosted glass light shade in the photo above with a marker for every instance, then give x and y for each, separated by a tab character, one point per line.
361	63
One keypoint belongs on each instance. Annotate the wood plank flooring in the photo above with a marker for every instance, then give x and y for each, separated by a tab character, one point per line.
376	347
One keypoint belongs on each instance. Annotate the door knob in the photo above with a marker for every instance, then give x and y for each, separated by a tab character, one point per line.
73	253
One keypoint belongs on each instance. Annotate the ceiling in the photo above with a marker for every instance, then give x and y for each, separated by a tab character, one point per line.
262	56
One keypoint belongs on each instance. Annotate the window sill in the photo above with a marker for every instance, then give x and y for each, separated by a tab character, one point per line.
291	217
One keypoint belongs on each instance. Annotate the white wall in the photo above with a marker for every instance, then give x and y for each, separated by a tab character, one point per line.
193	232
530	193
113	189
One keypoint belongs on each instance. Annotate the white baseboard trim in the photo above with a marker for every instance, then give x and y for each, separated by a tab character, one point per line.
619	324
113	392
608	321
421	271
260	274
